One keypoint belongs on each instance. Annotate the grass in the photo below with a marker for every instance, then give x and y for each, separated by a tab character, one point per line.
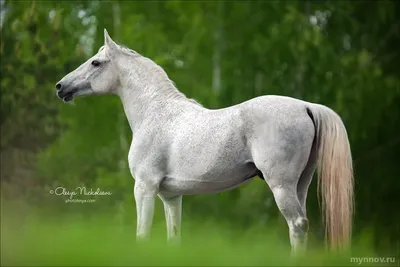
36	237
59	241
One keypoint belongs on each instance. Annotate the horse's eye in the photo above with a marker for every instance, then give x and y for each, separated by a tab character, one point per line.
95	63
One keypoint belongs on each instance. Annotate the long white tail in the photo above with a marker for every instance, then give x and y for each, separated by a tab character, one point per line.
335	176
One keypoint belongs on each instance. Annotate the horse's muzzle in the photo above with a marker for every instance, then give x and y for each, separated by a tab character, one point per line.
65	94
66	97
66	91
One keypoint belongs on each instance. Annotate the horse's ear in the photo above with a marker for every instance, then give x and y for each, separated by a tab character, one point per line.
109	43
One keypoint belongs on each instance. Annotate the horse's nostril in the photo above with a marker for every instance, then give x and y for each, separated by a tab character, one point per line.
58	86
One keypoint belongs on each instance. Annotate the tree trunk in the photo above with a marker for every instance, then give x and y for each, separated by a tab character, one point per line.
122	164
216	77
121	117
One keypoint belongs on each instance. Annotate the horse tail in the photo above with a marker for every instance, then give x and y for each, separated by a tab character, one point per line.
335	176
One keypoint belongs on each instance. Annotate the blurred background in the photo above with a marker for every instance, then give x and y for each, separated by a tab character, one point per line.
343	54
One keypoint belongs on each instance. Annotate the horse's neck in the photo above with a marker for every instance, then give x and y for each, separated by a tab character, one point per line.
142	99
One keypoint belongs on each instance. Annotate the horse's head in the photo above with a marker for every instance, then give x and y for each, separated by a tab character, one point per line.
96	76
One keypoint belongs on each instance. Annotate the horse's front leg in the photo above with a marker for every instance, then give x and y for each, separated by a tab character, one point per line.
145	198
173	216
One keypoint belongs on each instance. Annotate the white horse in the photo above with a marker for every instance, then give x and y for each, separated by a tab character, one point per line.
181	148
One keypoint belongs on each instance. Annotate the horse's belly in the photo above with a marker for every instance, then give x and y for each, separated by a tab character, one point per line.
181	185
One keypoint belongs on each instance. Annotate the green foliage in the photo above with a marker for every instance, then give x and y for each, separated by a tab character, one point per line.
340	54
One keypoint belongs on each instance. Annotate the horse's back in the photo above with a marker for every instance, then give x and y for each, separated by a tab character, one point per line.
276	117
210	135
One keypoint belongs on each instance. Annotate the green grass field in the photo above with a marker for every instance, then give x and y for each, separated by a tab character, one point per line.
70	241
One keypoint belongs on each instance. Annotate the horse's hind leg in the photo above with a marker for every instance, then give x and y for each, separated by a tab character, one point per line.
305	181
286	199
306	176
282	177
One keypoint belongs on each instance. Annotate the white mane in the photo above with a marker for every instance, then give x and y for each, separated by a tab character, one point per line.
167	85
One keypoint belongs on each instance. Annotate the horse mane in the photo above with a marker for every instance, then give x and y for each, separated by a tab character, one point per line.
168	86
